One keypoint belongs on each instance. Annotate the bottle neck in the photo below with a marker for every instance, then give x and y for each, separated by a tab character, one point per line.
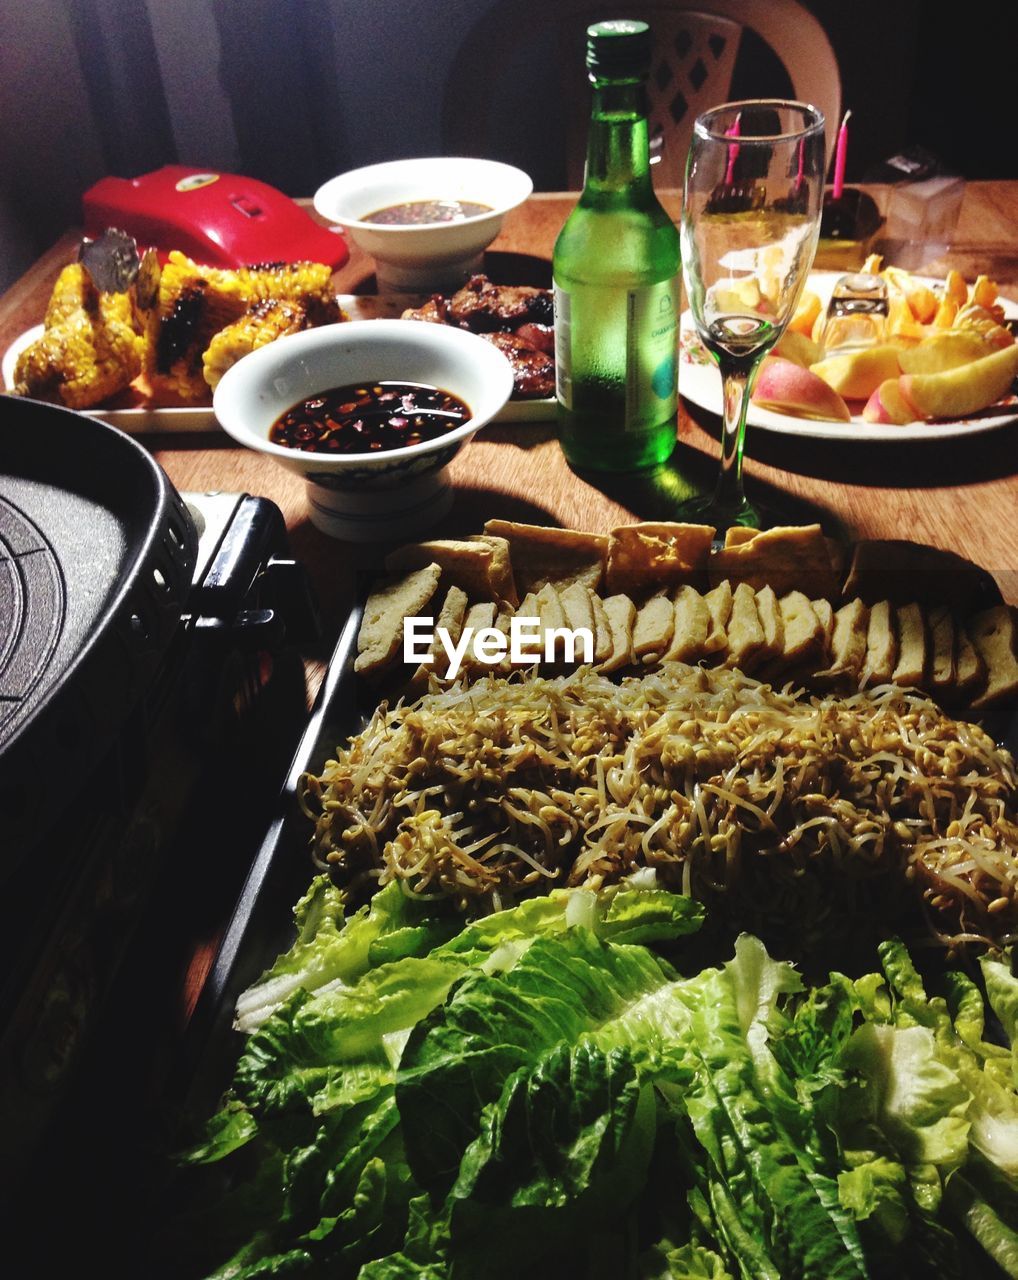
618	155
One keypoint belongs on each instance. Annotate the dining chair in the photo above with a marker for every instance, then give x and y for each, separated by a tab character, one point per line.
697	47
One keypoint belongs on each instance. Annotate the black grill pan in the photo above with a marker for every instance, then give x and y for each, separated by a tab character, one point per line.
96	555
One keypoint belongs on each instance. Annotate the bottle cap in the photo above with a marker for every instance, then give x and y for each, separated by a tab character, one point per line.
619	49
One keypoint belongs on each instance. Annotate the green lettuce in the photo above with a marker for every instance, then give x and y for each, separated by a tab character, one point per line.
543	1091
330	949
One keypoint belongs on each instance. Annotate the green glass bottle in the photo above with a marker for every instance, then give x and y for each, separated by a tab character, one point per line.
616	274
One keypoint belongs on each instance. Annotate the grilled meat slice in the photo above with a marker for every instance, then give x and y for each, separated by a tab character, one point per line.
485	307
533	370
541	336
433	311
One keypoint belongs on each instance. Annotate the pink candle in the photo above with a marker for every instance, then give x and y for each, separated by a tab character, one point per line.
839	157
733	152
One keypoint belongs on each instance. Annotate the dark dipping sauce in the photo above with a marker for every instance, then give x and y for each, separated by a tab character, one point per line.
369	417
419	212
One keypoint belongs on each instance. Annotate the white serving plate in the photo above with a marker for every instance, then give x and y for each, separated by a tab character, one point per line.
144	420
701	385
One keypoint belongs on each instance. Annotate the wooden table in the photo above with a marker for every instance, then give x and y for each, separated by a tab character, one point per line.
961	495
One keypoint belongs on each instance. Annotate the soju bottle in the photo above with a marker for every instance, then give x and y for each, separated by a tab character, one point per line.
616	275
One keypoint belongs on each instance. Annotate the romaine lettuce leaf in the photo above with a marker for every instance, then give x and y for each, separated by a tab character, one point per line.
330	950
561	1153
777	1189
878	1190
540	1092
565	988
688	1262
232	1127
905	1092
1002	992
990	1229
397	1266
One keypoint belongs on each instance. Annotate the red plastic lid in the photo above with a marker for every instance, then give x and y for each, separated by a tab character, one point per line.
218	219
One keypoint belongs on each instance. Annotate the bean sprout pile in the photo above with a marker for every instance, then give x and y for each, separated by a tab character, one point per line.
797	817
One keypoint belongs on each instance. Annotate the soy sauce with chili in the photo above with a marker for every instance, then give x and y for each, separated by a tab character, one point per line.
369	417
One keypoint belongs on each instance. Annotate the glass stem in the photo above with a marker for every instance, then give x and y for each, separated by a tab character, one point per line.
737	380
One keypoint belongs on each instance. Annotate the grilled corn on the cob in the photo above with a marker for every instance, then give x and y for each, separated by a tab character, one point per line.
90	348
262	323
195	303
81	360
182	324
73	291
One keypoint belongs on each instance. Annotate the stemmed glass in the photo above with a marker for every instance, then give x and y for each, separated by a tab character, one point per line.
750	221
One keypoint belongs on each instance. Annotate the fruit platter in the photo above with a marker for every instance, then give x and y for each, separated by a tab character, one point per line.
942	365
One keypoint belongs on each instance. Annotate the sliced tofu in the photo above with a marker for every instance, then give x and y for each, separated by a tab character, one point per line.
793	558
602	628
649	556
478	617
969	667
738	534
772	622
692	622
745	631
655	623
576	605
940	626
903	571
500	571
553	618
910	669
824	611
381	634
881	645
804	633
480	566
719	604
621	614
541	554
503	620
530	608
450	616
994	633
848	643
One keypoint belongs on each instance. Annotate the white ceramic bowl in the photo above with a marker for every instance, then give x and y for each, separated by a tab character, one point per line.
366	496
437	255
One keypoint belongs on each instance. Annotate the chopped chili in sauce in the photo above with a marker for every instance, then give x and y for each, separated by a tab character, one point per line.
369	417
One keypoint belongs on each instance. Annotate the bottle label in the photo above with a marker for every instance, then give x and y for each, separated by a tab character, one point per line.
652	352
563	348
618	347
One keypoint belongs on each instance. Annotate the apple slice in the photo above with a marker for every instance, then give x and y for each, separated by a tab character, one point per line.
855	375
962	391
806	314
789	388
797	348
888	405
941	352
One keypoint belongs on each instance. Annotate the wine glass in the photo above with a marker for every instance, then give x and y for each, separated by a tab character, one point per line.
750	221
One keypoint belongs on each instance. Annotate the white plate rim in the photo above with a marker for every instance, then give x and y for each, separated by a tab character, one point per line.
701	386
